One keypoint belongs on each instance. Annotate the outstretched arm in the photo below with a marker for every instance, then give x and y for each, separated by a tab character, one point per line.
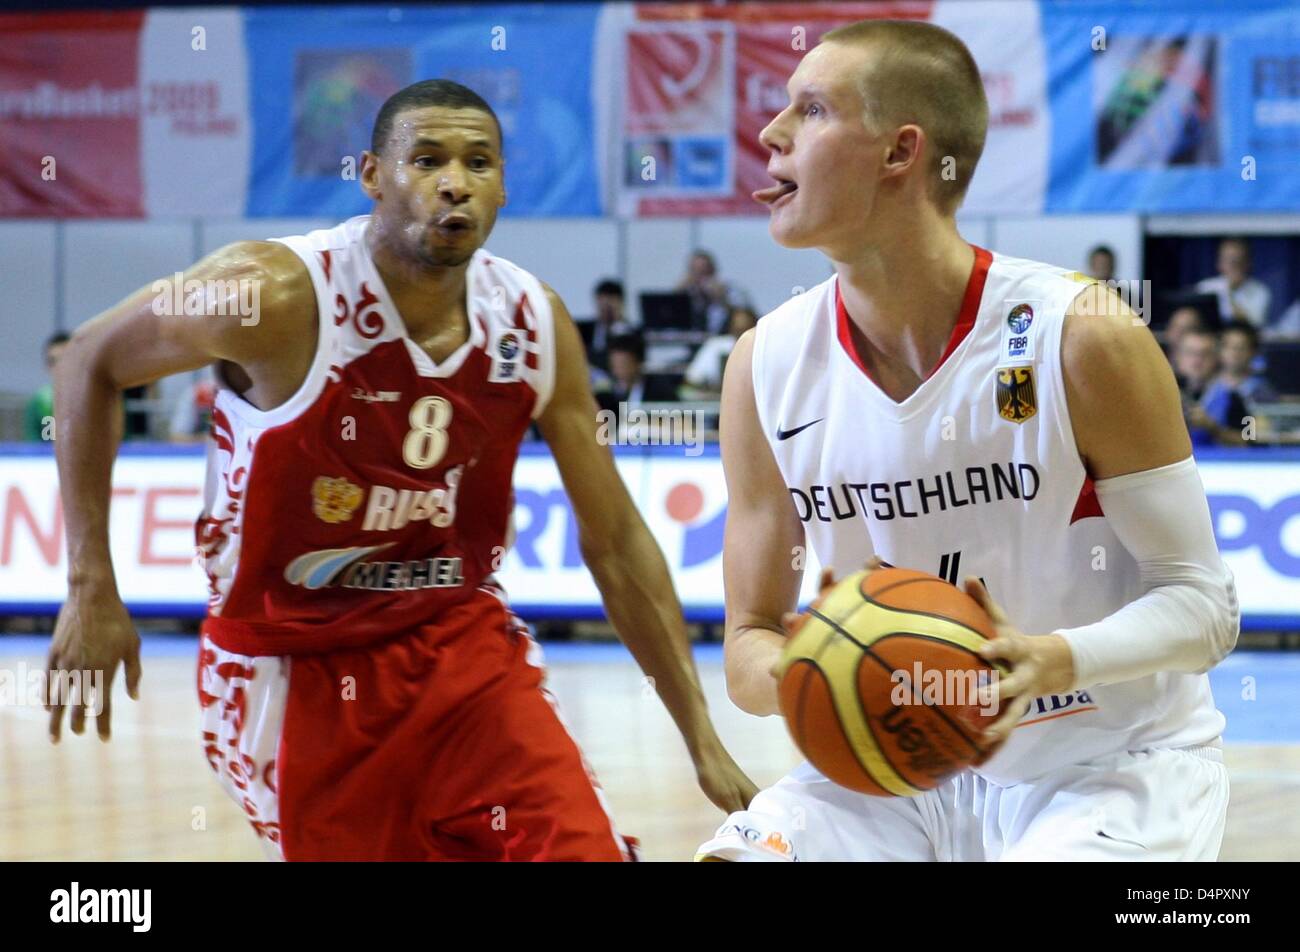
628	566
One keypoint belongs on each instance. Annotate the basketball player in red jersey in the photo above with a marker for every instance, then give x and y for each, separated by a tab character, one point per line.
367	692
933	405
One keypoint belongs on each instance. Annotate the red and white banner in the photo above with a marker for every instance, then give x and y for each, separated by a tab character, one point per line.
69	115
701	82
123	114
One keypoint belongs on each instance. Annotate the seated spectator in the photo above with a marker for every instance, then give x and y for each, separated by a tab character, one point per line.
627	383
705	371
711	298
1213	417
1241	297
1183	320
1101	263
1238	348
39	415
609	321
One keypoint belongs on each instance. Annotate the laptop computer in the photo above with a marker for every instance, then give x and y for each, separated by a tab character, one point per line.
666	311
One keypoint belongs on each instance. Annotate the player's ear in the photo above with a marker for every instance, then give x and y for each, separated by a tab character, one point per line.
501	202
370	175
904	149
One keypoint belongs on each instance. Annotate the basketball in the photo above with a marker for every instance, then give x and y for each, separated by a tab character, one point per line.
879	681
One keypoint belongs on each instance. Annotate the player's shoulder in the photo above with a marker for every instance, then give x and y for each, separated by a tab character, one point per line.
502	278
797	312
264	260
1062	295
783	336
1102	337
266	274
1041	275
493	266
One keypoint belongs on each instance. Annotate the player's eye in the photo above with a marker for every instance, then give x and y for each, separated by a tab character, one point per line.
813	109
479	163
425	162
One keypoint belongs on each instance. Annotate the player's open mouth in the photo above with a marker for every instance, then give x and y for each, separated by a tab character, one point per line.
453	226
773	194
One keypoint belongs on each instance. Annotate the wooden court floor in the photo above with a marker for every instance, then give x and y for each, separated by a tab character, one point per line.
149	794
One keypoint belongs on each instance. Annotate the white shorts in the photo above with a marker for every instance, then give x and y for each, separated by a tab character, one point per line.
1158	804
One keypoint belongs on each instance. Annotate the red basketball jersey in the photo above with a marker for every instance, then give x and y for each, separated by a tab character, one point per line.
379	494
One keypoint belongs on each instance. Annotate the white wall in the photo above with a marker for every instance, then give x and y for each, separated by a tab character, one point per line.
104	261
1065	240
217	233
28	302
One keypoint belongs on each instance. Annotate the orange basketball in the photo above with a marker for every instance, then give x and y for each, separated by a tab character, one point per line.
879	681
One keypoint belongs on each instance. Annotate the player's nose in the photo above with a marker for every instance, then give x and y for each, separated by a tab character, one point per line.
774	136
453	184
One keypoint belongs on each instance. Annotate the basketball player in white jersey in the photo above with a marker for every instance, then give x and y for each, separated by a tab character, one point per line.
938	407
366	691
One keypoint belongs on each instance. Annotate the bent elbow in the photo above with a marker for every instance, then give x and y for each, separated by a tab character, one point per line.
742	690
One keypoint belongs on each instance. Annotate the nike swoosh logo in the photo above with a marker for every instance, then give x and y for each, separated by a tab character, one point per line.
786	434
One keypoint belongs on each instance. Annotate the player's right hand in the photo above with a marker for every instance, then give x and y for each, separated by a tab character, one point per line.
93	634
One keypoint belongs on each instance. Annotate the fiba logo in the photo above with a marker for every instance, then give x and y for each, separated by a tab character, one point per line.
505	363
1021	316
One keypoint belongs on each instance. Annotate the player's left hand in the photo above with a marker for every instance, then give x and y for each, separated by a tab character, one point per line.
722	781
1040	664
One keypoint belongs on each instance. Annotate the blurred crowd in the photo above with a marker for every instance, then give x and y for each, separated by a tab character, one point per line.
1236	359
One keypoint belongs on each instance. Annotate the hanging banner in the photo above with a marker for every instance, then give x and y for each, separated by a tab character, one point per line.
123	115
700	82
1127	106
194	130
1165	106
327	83
70	98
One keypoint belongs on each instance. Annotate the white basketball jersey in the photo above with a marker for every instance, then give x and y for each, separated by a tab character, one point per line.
976	473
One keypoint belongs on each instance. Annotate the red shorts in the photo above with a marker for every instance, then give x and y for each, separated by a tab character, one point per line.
441	744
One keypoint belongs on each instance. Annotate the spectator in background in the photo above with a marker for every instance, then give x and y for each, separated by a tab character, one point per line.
1213	416
627	382
1101	263
1182	321
705	371
1287	325
1238	348
1241	297
609	321
40	408
711	298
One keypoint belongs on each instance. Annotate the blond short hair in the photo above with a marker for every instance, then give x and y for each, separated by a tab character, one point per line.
925	75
